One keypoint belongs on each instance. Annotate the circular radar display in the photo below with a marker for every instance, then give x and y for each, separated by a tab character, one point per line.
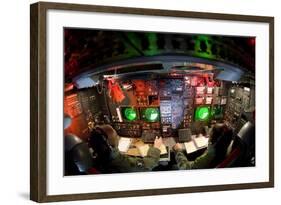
151	114
202	113
130	114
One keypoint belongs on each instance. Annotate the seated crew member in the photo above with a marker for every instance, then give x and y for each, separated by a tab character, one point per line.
104	141
219	140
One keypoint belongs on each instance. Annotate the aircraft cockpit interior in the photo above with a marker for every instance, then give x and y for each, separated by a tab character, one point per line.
171	99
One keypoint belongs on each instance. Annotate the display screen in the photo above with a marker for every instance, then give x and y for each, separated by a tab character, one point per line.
129	113
202	113
217	111
150	114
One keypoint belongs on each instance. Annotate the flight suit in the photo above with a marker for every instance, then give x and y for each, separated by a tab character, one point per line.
204	161
123	163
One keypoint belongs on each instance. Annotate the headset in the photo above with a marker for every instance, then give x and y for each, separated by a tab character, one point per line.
98	141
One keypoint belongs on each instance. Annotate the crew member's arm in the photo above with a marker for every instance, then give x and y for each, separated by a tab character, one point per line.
182	161
152	158
125	163
153	155
203	161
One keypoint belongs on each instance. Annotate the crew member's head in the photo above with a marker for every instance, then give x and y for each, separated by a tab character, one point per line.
220	137
220	134
102	140
112	136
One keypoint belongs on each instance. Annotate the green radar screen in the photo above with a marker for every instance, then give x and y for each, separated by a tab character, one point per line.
202	113
130	114
150	114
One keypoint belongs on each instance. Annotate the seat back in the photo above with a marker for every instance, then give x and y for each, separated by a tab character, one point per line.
78	159
242	149
230	159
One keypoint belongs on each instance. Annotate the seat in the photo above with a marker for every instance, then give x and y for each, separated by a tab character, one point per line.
78	159
242	148
231	158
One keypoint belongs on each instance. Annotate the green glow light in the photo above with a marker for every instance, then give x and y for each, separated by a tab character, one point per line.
153	48
151	114
202	113
198	52
130	114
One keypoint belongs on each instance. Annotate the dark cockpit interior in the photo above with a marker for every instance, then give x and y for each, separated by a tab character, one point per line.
149	85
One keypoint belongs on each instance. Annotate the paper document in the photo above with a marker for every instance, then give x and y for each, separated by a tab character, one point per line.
165	157
163	149
201	141
124	144
190	147
143	150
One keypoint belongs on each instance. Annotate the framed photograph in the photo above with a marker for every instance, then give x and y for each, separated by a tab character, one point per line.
136	102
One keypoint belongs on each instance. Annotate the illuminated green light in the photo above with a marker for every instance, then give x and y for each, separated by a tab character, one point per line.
153	48
130	114
151	114
202	113
198	52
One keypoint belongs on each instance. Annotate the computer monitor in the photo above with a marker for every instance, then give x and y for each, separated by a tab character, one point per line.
129	113
150	114
202	113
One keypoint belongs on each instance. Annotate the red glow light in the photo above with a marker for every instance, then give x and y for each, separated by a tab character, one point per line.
252	41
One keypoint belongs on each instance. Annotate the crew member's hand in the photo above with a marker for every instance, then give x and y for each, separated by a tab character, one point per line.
158	142
178	147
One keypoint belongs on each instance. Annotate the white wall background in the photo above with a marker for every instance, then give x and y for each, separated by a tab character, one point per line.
14	103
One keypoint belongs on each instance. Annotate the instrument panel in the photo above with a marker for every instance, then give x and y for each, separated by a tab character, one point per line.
166	104
161	106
